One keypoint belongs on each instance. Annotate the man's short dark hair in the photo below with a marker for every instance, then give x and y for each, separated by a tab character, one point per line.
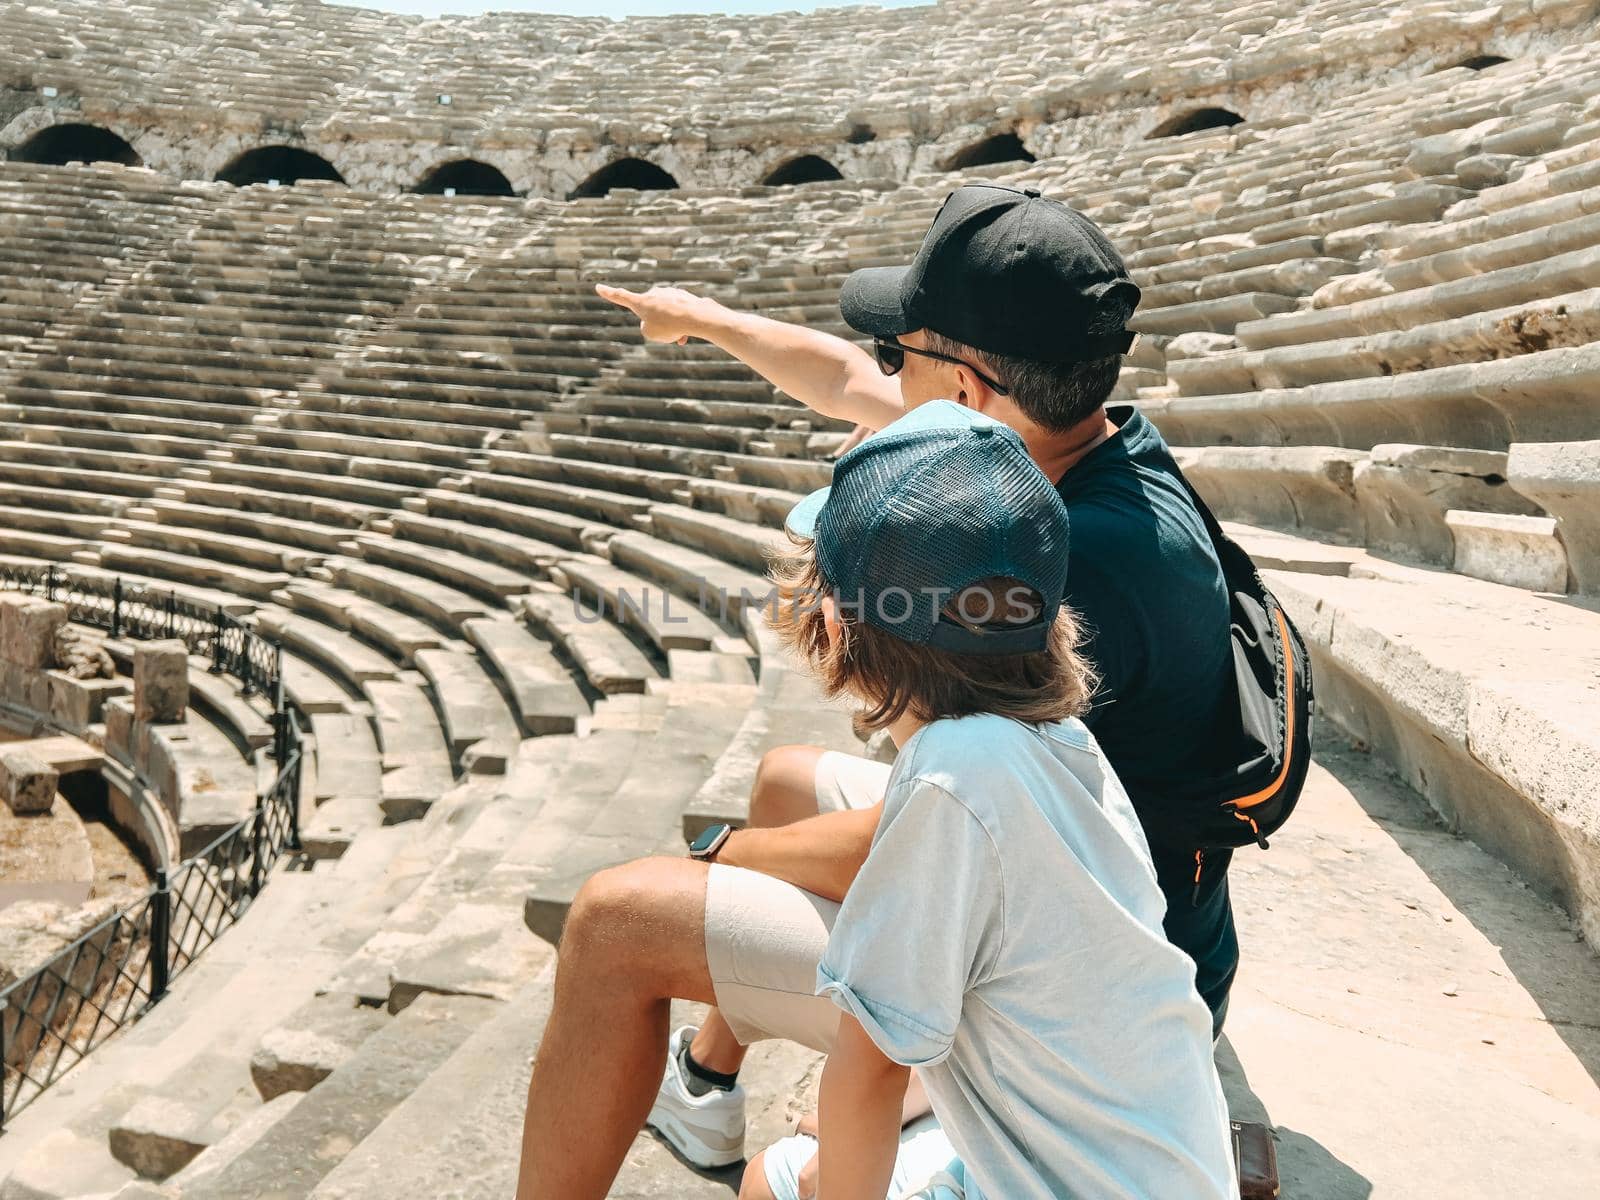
1053	395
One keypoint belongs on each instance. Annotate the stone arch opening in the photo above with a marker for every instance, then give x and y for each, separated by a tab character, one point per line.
997	148
806	168
1480	62
465	177
1194	121
624	173
62	144
280	164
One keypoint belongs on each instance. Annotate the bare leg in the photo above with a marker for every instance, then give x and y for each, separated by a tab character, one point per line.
634	940
785	791
754	1184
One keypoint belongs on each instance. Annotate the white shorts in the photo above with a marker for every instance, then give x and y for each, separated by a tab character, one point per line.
764	937
925	1166
848	781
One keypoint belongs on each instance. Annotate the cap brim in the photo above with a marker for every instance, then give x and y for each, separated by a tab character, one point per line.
802	518
870	302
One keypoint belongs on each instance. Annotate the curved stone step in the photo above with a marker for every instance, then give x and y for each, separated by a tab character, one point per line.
349	1103
608	659
547	698
612	594
445	607
416	757
1564	477
398	634
478	725
342	655
642	812
1498	732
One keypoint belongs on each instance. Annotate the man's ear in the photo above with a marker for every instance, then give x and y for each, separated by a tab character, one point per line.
974	393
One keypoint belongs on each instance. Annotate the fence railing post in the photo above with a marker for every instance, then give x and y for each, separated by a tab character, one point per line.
160	935
217	648
50	583
172	613
257	830
4	1058
116	608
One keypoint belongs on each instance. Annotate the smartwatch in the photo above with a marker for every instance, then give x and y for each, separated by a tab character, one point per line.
704	848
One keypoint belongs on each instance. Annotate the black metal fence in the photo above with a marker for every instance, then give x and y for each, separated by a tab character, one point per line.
111	975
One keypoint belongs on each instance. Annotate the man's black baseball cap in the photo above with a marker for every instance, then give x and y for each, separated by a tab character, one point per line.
1008	271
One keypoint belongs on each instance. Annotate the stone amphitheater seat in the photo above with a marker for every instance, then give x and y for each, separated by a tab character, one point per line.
218	699
1290	487
348	658
1481	405
417	766
508	560
191	761
253	526
565	486
227	547
546	697
607	658
637	807
426	557
668	621
758	470
1404	492
86	528
1536	277
312	690
1564	477
1517	551
396	633
181	568
446	607
479	727
1481	695
290	505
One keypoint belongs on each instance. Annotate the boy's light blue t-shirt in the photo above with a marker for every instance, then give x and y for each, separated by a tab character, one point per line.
1004	936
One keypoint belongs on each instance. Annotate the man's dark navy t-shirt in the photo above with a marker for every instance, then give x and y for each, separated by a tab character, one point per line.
1145	582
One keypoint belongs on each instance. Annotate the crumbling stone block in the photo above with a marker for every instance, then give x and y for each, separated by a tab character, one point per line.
1516	551
77	703
81	653
1565	478
27	630
294	1060
27	782
160	680
157	1137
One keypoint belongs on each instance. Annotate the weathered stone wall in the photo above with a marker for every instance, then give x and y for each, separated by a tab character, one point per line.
881	94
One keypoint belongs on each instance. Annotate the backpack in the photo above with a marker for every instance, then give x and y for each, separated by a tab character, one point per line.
1250	799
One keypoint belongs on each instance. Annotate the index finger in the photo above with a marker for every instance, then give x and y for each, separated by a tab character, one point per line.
618	295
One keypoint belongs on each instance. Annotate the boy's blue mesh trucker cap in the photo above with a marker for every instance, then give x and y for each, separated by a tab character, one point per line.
1008	271
941	499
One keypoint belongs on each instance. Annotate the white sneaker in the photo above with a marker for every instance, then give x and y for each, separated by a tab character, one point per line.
707	1130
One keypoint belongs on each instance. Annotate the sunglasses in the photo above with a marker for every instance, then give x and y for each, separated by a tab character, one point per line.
891	356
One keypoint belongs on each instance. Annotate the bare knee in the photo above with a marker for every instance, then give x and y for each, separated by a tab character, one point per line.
785	789
609	914
641	925
753	1186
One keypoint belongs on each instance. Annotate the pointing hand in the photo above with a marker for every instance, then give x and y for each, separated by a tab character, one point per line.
666	314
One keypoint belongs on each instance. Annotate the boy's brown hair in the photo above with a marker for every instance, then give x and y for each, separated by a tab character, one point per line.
895	677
